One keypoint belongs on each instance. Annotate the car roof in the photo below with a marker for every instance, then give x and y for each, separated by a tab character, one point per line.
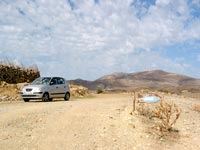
51	77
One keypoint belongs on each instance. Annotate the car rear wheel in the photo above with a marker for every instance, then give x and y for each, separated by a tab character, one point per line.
67	96
45	97
26	100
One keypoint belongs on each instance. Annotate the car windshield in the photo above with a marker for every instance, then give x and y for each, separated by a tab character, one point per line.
41	80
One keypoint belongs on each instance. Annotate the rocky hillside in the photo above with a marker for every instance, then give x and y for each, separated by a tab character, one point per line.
156	79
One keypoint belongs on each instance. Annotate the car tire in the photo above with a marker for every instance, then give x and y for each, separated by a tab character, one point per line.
67	96
26	100
45	97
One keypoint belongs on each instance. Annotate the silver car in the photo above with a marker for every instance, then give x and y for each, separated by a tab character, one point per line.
46	88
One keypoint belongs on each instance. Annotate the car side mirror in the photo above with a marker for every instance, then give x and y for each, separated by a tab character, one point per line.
51	83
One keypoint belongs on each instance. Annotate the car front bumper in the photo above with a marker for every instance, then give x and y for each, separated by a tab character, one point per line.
36	95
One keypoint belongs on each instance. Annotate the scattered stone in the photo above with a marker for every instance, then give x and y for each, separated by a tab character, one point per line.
114	140
9	98
161	139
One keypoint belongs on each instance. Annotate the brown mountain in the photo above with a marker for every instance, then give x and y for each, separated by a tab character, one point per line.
156	79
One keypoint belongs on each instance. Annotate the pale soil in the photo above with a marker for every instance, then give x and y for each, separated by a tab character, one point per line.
99	123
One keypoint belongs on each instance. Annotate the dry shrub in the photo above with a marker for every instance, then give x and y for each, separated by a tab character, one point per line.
196	107
99	90
145	109
12	73
168	114
78	91
141	108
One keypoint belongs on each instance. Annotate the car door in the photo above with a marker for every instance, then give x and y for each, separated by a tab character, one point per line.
54	89
61	87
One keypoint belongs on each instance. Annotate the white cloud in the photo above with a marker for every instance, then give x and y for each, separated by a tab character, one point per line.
89	39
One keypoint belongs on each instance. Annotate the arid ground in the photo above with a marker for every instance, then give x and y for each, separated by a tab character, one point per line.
102	122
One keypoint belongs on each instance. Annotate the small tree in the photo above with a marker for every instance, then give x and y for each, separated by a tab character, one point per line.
99	90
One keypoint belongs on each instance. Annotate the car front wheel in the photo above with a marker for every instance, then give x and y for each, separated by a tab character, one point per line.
45	97
67	96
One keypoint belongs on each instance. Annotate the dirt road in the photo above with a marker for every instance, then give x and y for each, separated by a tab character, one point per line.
100	123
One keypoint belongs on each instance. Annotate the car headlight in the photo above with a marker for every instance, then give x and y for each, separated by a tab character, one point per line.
37	90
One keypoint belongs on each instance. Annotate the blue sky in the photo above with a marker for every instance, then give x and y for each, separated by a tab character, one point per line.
90	38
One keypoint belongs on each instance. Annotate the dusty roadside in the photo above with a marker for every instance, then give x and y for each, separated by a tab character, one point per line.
100	123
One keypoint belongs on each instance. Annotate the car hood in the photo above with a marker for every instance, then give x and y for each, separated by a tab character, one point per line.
35	86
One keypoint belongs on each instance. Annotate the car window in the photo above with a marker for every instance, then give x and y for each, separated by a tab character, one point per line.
53	81
41	80
61	81
45	80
